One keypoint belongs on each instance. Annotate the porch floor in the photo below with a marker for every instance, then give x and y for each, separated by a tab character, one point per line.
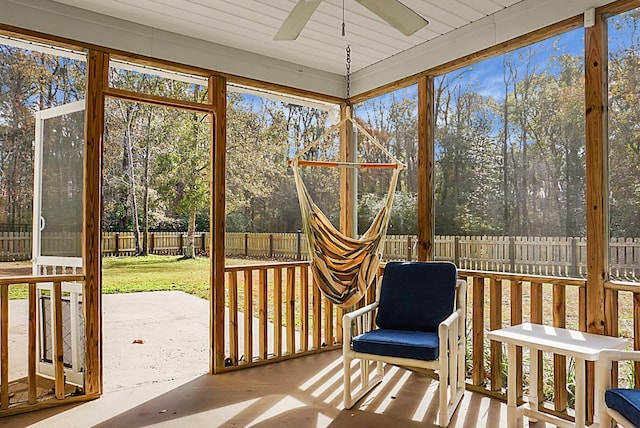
170	391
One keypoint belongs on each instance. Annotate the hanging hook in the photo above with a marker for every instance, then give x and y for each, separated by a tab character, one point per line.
343	32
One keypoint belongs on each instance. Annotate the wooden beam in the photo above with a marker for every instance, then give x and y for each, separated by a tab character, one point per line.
97	80
218	100
596	91
4	346
348	177
426	141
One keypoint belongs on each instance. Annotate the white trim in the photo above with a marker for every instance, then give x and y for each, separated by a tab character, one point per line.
42	48
293	99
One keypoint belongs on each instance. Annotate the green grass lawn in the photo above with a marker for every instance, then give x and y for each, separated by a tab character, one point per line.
159	273
150	273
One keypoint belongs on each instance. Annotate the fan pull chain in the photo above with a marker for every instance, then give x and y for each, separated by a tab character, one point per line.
348	65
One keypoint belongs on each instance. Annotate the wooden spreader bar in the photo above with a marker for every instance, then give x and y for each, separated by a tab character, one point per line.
362	165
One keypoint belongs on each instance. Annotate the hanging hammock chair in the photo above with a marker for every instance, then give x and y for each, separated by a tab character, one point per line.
343	267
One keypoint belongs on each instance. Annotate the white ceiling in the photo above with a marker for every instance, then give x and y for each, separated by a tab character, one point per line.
235	37
250	25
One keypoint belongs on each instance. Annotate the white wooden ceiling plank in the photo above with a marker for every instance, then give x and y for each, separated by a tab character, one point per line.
462	11
485	6
231	35
62	20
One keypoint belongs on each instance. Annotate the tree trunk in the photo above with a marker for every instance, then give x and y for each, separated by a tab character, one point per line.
190	248
132	181
145	185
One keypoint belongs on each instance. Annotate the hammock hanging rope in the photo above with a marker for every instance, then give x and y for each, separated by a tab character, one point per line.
343	267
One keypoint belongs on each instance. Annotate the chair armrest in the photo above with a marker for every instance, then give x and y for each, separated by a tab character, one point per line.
606	357
609	355
349	318
445	325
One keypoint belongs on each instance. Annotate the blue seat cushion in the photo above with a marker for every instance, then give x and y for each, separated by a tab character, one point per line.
626	402
416	295
417	345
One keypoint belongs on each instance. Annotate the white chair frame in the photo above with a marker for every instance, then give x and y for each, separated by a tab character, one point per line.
450	363
604	382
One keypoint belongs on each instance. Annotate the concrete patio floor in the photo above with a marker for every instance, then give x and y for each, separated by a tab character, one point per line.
164	382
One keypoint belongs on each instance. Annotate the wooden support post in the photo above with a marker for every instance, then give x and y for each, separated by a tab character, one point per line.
97	81
426	127
217	161
4	347
596	133
348	176
596	92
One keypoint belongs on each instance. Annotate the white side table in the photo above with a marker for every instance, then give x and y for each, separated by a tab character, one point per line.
582	346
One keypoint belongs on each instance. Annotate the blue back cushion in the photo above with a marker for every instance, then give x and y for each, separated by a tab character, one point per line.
416	296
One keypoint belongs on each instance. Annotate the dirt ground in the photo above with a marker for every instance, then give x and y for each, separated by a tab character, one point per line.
15	269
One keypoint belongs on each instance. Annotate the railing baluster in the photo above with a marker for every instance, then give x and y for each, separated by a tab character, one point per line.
58	344
559	361
277	312
233	317
31	357
248	315
304	308
291	308
4	345
317	315
636	336
478	330
262	314
328	322
516	318
495	322
536	317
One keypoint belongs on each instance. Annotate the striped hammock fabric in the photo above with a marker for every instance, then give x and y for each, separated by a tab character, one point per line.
343	267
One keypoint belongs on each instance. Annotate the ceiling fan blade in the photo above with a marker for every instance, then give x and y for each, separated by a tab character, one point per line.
396	14
297	19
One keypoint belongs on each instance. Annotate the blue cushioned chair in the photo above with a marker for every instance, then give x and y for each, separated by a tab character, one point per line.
620	404
419	322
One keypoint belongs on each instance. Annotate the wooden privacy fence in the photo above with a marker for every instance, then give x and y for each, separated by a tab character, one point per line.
555	256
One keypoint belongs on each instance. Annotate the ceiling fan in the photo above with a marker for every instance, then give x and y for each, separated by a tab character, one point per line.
393	12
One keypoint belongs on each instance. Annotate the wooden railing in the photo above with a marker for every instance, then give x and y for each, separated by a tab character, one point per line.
281	294
274	313
24	393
